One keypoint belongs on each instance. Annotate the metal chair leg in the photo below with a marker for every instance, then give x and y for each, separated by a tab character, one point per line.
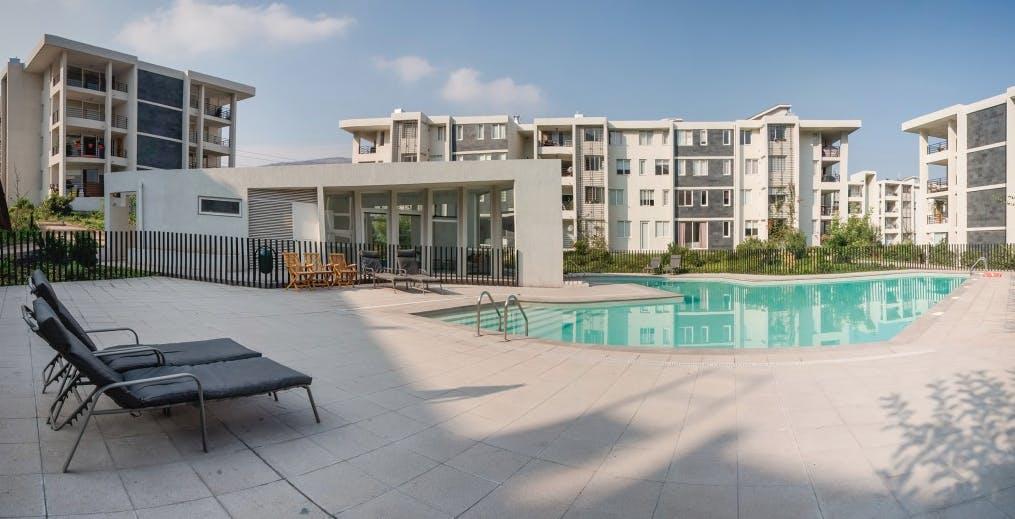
313	406
81	433
204	427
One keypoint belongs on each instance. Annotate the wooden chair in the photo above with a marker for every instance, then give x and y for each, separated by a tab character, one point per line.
343	274
322	275
299	275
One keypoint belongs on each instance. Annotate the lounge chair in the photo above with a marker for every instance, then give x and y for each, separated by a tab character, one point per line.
674	265
408	262
653	265
158	387
342	272
131	356
300	275
374	269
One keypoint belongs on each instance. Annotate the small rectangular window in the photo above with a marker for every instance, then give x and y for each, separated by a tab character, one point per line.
703	198
440	133
459	132
662	167
745	137
593	163
727	197
644	138
623	166
727	229
685	198
641	166
499	131
616	138
751	167
647	197
703	137
662	229
727	167
727	137
616	197
218	206
666	197
685	137
700	167
480	130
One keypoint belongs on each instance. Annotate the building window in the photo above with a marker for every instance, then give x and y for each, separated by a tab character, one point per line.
662	229
751	167
685	198
745	137
499	131
592	134
593	195
727	137
641	166
751	229
700	167
727	197
623	166
646	197
703	137
623	229
459	132
666	197
593	163
218	206
480	132
436	158
727	229
703	198
441	131
407	157
646	336
777	164
685	137
727	167
616	197
746	194
616	138
644	138
662	167
666	137
777	133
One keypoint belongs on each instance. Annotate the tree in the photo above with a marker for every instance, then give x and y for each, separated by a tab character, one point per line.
855	232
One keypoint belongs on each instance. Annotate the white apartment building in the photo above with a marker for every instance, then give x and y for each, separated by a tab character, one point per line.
969	171
646	184
72	113
889	203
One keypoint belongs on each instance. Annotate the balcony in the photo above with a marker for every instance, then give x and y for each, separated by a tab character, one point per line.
119	121
937	147
830	210
830	177
933	219
215	139
99	152
87	84
367	149
567	203
119	86
936	185
86	113
830	152
220	111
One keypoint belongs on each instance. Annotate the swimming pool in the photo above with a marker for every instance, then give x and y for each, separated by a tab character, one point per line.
730	314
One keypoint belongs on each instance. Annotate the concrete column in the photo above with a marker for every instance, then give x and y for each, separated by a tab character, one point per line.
496	232
359	234
185	137
322	216
957	181
107	137
131	141
61	185
1010	172
199	149
922	202
463	228
232	131
47	134
392	218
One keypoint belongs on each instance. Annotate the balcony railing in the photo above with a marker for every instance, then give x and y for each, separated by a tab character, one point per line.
830	210
120	86
367	149
215	139
567	204
935	185
77	151
830	151
937	218
56	117
830	177
119	121
89	85
567	172
85	113
220	111
937	146
119	152
556	140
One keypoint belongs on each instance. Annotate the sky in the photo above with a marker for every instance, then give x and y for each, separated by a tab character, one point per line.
315	63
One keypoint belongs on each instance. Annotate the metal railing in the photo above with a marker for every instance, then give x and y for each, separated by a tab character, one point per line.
88	85
119	121
937	218
937	146
982	259
120	86
215	139
936	185
829	210
556	141
507	308
79	151
366	149
120	152
479	312
220	111
830	177
86	113
830	151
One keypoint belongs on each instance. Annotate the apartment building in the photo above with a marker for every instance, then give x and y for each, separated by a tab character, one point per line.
72	113
646	184
889	203
968	170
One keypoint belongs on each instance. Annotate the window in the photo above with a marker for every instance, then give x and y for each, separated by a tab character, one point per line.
685	137
592	134
727	197
593	163
641	166
218	206
751	167
623	166
751	229
644	138
666	137
777	132
777	164
703	137
685	198
441	133
480	132
499	131
616	197
407	157
646	197
727	167
703	198
593	195
459	132
700	167
745	137
647	336
666	197
727	229
623	228
436	158
662	229
662	167
727	137
616	138
746	194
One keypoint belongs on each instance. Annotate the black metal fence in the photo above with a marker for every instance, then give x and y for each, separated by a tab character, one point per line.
810	260
94	255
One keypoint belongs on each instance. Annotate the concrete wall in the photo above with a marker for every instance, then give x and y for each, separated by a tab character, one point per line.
167	199
22	120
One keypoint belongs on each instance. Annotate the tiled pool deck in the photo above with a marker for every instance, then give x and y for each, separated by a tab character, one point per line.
422	419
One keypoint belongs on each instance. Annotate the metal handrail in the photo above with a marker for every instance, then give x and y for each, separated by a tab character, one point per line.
977	262
479	310
507	306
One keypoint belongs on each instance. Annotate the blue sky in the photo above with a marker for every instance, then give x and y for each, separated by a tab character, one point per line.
315	63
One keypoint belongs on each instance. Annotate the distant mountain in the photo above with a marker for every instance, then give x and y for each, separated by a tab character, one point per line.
323	160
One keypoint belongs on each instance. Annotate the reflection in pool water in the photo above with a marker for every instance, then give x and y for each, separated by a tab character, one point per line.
723	314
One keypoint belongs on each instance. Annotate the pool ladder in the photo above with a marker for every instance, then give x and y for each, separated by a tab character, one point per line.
502	317
977	262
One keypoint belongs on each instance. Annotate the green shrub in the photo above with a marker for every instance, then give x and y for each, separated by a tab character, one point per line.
57	205
940	254
54	248
23	215
84	251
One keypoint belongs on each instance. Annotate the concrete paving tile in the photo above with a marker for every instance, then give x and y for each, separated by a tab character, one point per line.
391	426
225	473
393	464
697	501
489	462
448	489
278	499
778	502
609	496
161	485
637	463
85	493
138	451
19	458
394	504
437	443
207	508
339	487
980	509
18	430
703	470
539	489
295	457
21	496
348	441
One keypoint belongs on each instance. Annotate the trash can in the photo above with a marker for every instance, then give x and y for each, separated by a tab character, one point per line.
265	260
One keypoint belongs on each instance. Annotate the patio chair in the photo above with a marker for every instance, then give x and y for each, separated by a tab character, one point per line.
653	265
343	274
130	356
408	262
300	276
159	387
674	266
369	262
375	270
323	276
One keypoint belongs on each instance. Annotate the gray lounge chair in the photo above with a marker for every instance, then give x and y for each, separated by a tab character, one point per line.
131	356
408	263
674	266
159	387
653	265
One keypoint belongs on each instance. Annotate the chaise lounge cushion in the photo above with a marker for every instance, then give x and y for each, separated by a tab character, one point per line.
42	288
183	354
232	379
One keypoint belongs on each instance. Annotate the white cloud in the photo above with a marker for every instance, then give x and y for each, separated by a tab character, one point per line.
407	68
464	86
194	27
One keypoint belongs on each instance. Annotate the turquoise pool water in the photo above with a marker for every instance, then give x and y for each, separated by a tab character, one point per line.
724	314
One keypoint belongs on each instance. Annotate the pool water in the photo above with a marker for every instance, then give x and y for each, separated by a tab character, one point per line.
726	314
